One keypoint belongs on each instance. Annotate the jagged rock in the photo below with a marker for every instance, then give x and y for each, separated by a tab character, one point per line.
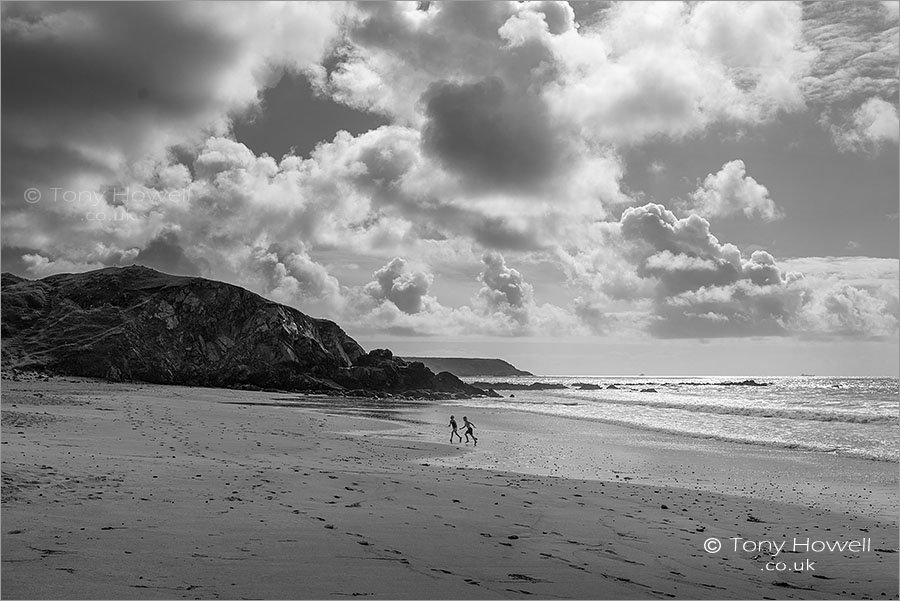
744	383
586	386
135	323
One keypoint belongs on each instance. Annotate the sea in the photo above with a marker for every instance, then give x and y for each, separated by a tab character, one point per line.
855	417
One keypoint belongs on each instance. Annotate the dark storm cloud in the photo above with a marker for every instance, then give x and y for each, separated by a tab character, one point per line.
496	233
681	273
25	166
93	87
81	83
484	130
166	254
162	61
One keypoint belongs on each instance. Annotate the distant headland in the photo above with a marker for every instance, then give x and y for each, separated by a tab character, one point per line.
467	367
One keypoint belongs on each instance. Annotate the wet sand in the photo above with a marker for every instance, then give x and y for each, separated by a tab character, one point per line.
130	491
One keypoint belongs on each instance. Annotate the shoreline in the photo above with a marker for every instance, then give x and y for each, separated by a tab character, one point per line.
778	414
141	491
605	451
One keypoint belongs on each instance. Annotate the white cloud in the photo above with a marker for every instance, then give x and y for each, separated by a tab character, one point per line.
732	191
874	124
863	272
397	301
40	266
400	285
508	128
292	278
856	46
731	62
843	310
695	286
504	291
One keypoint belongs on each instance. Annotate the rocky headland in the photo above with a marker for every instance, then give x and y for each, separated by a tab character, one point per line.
137	324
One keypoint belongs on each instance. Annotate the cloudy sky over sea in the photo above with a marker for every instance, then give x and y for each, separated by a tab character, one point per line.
584	187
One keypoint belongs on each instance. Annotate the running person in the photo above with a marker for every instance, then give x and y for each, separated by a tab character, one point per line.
468	426
453	430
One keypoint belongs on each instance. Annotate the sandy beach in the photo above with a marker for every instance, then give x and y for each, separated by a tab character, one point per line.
139	491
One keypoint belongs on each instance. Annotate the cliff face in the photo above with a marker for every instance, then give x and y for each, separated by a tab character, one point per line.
135	323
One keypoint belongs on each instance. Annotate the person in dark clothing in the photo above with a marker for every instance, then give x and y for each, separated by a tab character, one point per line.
469	432
453	429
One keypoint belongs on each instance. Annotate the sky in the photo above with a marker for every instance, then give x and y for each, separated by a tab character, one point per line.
600	188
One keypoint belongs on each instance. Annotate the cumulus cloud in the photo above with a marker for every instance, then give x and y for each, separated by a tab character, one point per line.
473	89
505	290
848	311
653	228
725	62
699	287
397	283
506	303
731	191
291	277
874	124
393	52
508	128
850	296
397	301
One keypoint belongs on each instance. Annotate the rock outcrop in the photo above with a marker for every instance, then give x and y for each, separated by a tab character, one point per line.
135	323
520	386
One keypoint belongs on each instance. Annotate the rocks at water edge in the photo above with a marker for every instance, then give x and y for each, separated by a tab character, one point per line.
519	385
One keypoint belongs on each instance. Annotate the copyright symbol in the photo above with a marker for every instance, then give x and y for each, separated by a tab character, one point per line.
32	195
712	545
